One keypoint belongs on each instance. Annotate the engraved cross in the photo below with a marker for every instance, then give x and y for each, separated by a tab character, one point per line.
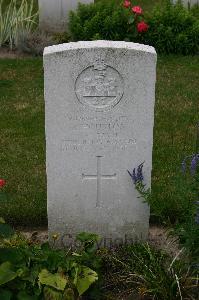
99	176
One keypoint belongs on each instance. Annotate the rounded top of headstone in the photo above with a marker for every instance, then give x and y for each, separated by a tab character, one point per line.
99	44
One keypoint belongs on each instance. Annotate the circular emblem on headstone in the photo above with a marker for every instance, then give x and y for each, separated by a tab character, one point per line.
99	86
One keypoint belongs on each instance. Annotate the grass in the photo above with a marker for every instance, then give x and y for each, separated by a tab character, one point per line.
140	271
176	116
22	138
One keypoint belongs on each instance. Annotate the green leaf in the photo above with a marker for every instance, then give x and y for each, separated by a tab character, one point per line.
12	255
6	273
84	278
6	231
131	20
5	295
50	294
69	294
87	237
2	221
89	241
45	246
24	296
31	275
56	281
3	197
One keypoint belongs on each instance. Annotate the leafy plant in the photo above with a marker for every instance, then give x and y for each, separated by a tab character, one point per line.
2	194
188	231
169	28
16	22
101	20
186	227
173	29
30	271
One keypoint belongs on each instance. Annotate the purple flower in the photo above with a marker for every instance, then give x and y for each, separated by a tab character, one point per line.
184	165
194	163
197	218
197	212
137	175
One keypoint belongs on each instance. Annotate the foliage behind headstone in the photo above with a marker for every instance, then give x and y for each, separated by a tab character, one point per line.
172	28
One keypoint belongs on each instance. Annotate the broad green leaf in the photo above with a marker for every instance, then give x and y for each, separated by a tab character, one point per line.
5	295
6	273
3	197
87	237
12	255
89	241
6	231
56	280
31	275
45	246
131	20
69	294
50	294
84	278
24	296
2	221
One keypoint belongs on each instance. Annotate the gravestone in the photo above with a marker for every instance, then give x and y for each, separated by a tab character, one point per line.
188	3
53	14
99	107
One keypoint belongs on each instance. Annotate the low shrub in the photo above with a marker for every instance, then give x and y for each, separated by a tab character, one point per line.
170	28
173	29
61	37
101	20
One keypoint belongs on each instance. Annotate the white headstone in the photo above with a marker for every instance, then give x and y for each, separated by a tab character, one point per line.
53	14
99	106
188	3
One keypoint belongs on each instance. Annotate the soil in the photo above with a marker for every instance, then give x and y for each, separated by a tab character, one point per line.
158	237
7	53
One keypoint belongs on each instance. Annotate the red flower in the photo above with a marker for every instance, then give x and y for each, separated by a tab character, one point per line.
137	10
142	27
2	183
127	4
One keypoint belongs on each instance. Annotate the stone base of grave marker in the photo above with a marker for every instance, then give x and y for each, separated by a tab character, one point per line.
99	107
53	14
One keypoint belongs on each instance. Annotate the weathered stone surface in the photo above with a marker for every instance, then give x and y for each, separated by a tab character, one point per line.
53	14
99	105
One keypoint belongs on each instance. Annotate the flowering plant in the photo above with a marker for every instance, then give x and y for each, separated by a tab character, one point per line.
138	178
2	183
2	194
188	229
192	163
135	17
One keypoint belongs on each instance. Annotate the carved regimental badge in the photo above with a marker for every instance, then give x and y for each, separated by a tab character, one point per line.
99	86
